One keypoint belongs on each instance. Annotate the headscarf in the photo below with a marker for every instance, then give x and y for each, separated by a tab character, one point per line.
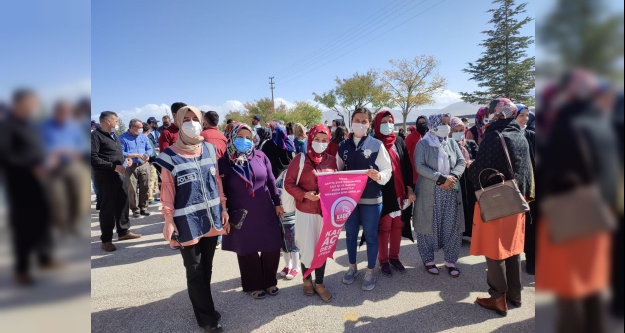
389	141
412	129
479	121
240	161
264	134
433	140
185	142
455	122
502	106
316	158
280	138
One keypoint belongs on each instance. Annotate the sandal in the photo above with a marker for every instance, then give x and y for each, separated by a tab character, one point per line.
258	294
273	291
308	287
428	269
321	290
452	270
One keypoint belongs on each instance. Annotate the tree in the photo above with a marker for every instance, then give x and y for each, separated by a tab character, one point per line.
360	90
584	33
122	127
412	83
238	116
504	70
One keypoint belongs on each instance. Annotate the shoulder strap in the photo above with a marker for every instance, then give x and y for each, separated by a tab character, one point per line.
301	167
505	149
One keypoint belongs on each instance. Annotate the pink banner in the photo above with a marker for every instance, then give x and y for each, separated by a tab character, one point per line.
339	192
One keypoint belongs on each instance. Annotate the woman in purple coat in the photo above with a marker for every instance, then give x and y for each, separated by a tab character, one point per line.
254	205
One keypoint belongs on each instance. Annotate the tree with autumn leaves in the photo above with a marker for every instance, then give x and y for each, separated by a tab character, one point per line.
303	112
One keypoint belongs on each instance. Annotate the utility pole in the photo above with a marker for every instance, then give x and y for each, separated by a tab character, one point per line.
272	88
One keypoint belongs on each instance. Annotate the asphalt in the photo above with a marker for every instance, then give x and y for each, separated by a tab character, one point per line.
142	288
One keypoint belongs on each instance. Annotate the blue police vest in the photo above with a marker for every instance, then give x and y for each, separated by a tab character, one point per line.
363	157
197	207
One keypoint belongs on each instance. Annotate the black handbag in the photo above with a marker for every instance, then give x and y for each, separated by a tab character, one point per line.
502	199
237	217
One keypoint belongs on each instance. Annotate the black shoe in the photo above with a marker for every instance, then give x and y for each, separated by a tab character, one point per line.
145	213
136	214
385	268
214	328
397	265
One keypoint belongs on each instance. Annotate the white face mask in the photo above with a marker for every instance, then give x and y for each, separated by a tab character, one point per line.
333	129
140	131
192	128
387	128
360	130
319	147
443	131
116	128
458	136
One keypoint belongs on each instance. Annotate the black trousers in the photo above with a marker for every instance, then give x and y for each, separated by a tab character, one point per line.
113	192
504	277
29	215
198	263
618	278
580	316
319	273
530	239
259	272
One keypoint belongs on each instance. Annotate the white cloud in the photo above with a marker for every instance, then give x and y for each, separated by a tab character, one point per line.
444	98
281	101
159	110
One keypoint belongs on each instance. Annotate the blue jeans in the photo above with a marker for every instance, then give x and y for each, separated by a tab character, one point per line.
369	217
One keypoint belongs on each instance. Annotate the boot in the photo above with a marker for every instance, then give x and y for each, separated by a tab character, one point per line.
498	305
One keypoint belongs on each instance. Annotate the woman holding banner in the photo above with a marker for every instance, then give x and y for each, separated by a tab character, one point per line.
254	205
363	152
308	220
397	194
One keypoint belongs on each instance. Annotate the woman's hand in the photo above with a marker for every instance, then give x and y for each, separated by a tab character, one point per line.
411	196
225	221
312	196
449	183
168	230
374	174
468	163
280	211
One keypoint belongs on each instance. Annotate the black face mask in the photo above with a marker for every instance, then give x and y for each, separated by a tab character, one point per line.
165	124
422	128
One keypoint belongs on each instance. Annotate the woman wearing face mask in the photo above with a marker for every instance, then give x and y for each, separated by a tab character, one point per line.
308	220
438	214
523	118
338	136
280	150
254	207
469	151
394	193
362	152
501	241
413	139
476	133
194	207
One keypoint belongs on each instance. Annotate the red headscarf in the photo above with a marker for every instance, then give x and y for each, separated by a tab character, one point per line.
389	141
316	158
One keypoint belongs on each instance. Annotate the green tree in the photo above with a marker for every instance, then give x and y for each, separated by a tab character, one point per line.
504	70
412	83
584	33
360	90
238	116
262	108
122	127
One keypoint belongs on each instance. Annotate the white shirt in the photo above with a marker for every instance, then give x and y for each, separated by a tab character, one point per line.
383	162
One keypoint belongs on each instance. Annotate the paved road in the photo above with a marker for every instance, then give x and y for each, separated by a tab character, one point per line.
141	288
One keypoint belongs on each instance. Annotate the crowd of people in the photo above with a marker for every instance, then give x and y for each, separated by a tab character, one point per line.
232	185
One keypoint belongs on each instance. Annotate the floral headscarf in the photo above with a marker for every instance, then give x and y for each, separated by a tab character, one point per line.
502	106
316	158
455	122
479	120
436	120
235	156
264	134
280	138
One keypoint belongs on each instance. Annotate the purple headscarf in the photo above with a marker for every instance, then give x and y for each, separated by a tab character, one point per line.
280	138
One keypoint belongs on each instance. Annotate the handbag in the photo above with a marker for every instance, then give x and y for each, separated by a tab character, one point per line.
503	199
237	217
580	211
288	202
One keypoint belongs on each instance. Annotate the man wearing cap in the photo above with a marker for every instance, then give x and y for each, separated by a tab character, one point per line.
155	133
256	122
170	134
137	146
94	125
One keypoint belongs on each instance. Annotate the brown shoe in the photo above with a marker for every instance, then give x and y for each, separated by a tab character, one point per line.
308	287
498	305
24	280
321	290
108	247
53	264
129	235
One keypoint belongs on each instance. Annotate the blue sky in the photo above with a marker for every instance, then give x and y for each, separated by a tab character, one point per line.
210	52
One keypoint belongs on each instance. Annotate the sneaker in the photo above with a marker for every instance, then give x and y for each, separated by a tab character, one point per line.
350	275
218	245
385	268
397	265
284	272
292	274
136	214
368	283
145	213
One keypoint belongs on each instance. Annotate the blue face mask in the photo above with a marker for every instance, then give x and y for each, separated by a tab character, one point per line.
242	144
